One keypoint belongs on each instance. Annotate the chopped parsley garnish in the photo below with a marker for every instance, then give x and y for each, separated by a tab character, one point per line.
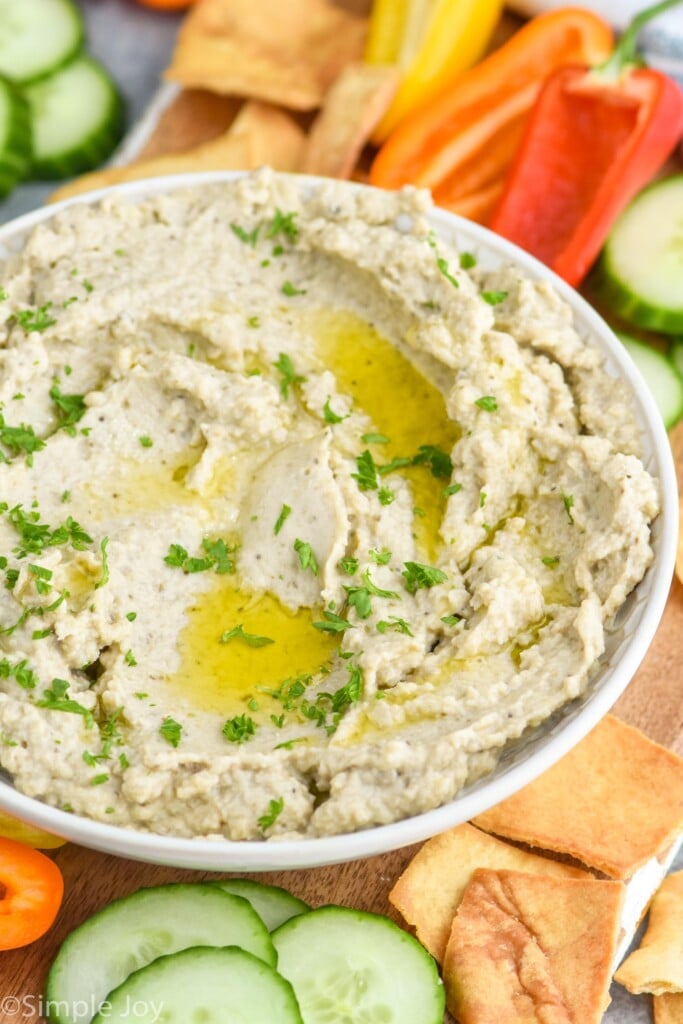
400	462
3	294
393	622
367	472
375	439
278	721
568	502
146	441
171	730
275	808
382	557
239	729
253	321
20	672
66	496
285	512
283	224
451	620
42	578
19	440
487	402
129	658
348	694
291	290
248	237
306	556
40	634
494	298
289	375
104	577
467	260
251	639
88	285
359	597
349	565
97	780
332	624
551	561
36	536
331	417
56	698
442	264
131	616
34	319
386	496
451	489
217	557
418	576
438	460
482	499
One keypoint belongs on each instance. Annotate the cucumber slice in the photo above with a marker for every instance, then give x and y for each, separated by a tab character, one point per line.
15	137
640	274
676	355
77	117
661	377
131	932
272	904
347	965
203	985
37	36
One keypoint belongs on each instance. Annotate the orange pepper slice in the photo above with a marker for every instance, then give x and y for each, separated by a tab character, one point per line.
31	890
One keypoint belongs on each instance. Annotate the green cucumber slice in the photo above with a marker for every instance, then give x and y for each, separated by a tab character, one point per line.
640	273
15	137
131	932
661	377
37	36
77	117
676	354
347	965
272	904
203	986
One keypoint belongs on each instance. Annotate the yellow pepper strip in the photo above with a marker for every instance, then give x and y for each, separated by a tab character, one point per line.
12	828
455	36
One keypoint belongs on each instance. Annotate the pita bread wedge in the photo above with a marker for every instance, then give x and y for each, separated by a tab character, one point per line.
196	116
614	802
352	109
679	553
286	53
657	965
428	892
668	1009
532	949
259	134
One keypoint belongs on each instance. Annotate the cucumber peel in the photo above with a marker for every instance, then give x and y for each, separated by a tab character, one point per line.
661	376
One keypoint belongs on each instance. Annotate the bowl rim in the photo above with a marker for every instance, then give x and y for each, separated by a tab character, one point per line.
257	856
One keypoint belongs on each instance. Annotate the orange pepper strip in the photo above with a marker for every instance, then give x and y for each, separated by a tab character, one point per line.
31	890
426	148
485	168
478	206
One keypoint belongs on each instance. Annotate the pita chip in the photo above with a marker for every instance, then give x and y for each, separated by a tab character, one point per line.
428	892
613	802
259	134
285	53
194	117
532	949
679	554
668	1009
657	965
352	109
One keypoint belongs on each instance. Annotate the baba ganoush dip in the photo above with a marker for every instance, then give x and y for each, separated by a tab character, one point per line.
304	516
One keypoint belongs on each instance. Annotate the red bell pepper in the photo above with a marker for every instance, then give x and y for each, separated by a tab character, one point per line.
594	139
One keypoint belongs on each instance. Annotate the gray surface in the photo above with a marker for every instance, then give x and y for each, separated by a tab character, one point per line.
134	43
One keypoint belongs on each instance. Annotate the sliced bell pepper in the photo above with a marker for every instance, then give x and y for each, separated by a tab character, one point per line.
13	828
594	139
456	128
430	40
31	890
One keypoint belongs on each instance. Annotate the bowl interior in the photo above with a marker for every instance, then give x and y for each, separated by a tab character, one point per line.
521	761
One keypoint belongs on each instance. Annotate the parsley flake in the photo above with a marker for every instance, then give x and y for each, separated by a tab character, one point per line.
442	264
381	557
494	298
568	502
289	376
487	402
386	496
285	512
438	460
19	440
275	808
418	576
248	237
291	290
367	472
467	260
171	730
375	439
34	319
331	417
251	639
306	556
333	623
398	625
146	441
451	489
239	729
283	224
551	561
451	620
104	577
56	698
349	565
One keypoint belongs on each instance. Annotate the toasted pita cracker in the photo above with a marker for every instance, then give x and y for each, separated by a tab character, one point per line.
532	949
614	802
286	53
353	107
679	554
428	892
657	965
193	118
260	134
668	1009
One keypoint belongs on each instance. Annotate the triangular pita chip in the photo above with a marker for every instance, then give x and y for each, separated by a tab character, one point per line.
679	554
428	892
532	949
352	108
657	965
286	53
613	802
668	1009
194	117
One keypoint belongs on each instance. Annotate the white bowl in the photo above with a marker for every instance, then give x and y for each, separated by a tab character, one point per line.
521	762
